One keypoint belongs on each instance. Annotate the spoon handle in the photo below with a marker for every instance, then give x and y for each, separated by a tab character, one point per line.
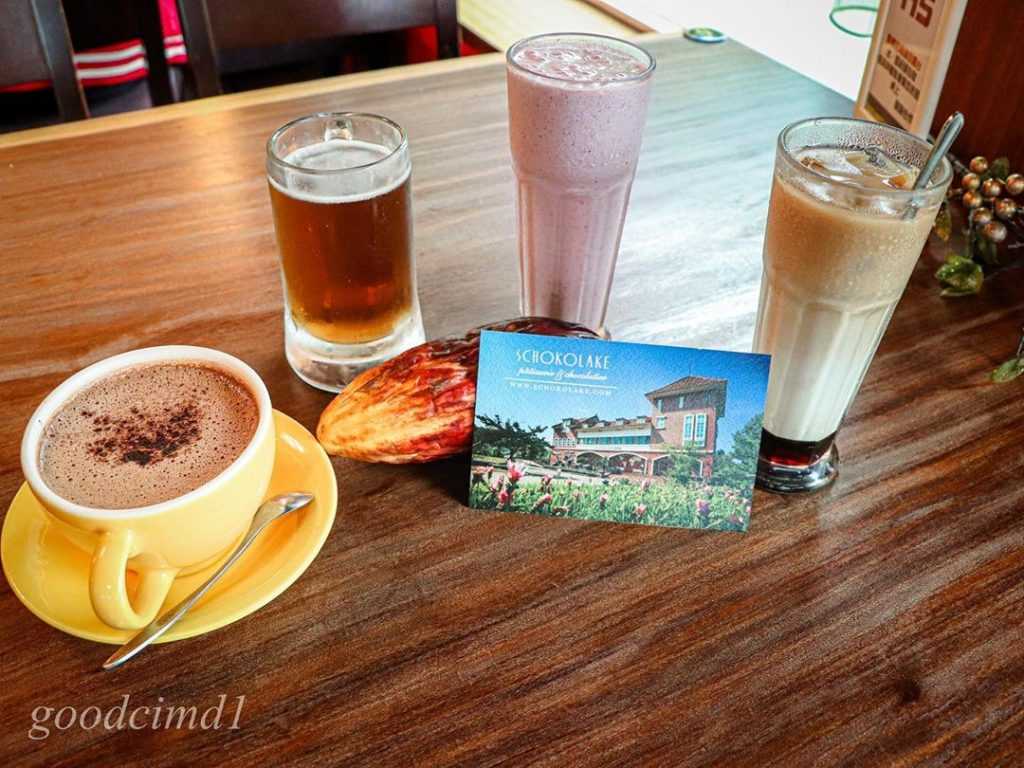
943	141
170	617
947	135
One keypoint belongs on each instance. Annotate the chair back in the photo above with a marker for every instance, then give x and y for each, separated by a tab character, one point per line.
100	23
35	45
212	28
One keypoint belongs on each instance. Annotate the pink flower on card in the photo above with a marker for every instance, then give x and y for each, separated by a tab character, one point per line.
515	471
703	511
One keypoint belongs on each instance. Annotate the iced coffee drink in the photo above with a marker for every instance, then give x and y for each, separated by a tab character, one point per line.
844	231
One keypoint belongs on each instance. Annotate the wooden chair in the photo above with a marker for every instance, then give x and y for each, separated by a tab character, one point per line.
96	23
35	45
214	29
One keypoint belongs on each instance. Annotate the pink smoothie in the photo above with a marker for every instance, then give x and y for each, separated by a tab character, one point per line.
577	106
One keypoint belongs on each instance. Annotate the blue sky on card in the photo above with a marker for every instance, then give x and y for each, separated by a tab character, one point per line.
633	370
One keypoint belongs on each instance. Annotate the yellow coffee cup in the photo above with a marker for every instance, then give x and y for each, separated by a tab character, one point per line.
161	541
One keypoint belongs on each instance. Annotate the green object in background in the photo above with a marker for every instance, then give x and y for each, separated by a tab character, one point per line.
704	35
854	18
1013	367
960	276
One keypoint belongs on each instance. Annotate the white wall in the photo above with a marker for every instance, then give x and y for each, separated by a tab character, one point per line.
796	33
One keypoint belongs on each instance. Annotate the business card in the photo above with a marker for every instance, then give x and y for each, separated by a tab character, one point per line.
615	431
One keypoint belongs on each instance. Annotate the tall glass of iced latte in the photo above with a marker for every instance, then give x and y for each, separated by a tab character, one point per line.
844	231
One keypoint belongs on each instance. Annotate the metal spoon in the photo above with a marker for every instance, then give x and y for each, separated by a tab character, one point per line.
947	135
269	511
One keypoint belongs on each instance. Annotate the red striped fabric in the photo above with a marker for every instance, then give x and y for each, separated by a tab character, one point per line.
121	62
126	61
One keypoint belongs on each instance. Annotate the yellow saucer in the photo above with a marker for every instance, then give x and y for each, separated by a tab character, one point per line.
51	576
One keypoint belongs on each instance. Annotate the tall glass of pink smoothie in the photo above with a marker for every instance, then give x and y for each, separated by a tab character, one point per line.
577	106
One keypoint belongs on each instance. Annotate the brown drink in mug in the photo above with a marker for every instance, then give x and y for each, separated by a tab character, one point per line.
342	204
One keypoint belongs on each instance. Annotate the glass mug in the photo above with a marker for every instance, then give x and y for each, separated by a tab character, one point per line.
342	204
838	252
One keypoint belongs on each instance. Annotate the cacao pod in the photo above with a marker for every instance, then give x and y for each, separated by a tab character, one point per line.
419	405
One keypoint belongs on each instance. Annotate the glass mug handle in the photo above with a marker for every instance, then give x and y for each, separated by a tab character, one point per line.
107	583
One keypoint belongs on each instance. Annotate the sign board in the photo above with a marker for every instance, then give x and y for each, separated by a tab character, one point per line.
906	66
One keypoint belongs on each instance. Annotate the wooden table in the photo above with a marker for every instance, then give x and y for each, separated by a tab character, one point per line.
875	623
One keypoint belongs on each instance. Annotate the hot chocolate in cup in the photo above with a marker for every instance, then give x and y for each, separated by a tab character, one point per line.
155	461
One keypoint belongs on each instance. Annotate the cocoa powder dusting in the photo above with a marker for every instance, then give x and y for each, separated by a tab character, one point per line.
147	434
143	438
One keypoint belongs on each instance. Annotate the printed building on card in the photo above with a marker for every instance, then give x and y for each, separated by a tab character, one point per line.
684	414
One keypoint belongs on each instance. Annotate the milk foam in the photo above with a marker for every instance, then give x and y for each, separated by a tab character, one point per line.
146	435
579	62
362	179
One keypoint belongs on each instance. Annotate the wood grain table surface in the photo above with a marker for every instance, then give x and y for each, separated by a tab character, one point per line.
875	623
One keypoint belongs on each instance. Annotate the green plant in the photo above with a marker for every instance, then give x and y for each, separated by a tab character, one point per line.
1013	367
735	467
992	202
684	463
986	194
496	436
691	504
